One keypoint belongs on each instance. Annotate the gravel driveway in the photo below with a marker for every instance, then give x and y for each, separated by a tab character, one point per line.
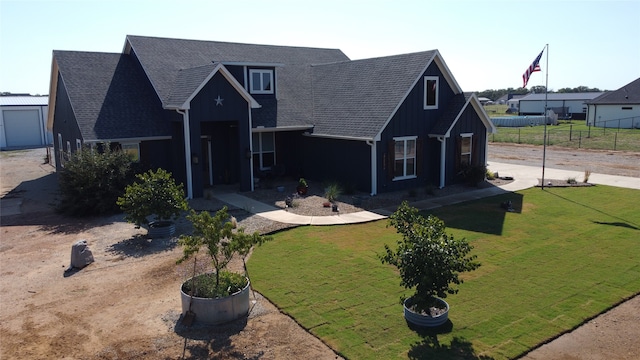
597	161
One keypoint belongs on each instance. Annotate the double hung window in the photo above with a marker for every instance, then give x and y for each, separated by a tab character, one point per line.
264	150
466	147
404	165
261	81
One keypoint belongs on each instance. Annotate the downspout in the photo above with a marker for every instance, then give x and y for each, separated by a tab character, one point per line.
443	151
374	167
187	150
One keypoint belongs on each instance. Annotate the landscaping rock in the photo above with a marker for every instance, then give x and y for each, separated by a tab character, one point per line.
81	255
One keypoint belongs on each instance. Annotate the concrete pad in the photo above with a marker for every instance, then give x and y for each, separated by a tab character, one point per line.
328	220
362	216
245	203
286	217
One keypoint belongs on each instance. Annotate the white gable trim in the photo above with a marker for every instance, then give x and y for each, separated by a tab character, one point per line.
227	75
475	103
446	73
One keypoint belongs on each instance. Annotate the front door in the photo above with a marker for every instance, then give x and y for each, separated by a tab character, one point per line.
224	164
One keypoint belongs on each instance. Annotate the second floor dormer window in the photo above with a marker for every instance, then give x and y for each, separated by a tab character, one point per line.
430	92
261	81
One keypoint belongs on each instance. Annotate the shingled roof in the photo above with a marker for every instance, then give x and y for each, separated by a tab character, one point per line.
319	88
109	96
357	98
163	58
628	94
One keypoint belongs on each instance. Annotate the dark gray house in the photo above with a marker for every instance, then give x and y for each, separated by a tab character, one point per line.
216	112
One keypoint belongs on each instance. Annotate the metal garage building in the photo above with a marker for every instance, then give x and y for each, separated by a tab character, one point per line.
23	121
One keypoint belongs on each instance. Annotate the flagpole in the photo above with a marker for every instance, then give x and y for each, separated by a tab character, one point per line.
544	139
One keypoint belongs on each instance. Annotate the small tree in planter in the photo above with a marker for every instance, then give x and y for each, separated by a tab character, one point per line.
153	195
428	260
216	233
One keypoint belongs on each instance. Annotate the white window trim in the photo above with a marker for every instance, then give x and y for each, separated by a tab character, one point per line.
78	144
437	79
470	153
415	162
257	149
261	71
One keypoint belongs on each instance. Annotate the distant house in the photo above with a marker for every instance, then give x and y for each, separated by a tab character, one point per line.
227	113
619	108
512	102
485	101
23	122
566	105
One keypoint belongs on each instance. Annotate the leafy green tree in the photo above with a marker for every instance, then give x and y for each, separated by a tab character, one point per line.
154	193
92	180
217	235
427	258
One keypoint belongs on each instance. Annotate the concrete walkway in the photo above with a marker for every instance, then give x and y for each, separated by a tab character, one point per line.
524	177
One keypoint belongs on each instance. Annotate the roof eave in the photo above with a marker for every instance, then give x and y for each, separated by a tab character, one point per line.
53	86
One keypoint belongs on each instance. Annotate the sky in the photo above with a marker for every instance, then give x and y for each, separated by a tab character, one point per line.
485	44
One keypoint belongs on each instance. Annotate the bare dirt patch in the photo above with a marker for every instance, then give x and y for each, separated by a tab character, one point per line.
123	306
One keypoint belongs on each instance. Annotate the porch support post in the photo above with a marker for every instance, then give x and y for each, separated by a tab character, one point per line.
374	167
443	152
187	151
253	188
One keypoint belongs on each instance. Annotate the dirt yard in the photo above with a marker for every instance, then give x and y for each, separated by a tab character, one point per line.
126	304
123	306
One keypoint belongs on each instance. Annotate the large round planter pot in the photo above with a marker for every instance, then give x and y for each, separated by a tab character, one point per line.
425	320
161	229
217	311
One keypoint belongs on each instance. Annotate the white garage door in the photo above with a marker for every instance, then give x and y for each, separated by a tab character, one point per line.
22	127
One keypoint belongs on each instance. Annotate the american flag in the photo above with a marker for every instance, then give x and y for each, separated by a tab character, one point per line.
535	66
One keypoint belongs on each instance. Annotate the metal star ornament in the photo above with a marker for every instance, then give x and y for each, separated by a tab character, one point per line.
219	101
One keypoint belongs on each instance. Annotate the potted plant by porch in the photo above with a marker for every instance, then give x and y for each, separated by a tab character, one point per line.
153	201
429	261
302	187
331	193
220	296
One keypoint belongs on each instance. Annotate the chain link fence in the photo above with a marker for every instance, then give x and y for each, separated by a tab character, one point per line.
591	138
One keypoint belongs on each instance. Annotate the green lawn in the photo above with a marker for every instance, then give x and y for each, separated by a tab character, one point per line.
564	256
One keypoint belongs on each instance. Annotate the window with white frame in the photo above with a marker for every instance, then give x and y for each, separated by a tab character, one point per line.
465	148
78	144
264	150
133	149
404	165
261	81
68	150
431	92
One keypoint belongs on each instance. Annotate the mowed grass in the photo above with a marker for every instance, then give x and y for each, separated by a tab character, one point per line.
564	256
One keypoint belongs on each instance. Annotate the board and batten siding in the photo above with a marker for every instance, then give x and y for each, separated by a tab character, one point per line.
347	162
64	123
466	124
412	119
